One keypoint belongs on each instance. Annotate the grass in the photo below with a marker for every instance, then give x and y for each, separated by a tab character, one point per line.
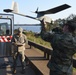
37	39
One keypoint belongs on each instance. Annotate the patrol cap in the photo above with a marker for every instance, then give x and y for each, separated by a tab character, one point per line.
20	29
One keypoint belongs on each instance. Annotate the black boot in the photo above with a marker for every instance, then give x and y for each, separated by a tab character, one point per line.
23	68
14	71
23	71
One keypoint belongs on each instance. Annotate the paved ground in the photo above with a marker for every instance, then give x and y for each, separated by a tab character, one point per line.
8	71
6	67
36	57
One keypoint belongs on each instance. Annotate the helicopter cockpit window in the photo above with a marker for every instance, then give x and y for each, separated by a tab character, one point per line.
5	27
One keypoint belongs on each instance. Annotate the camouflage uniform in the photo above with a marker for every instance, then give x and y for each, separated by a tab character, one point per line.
64	47
19	50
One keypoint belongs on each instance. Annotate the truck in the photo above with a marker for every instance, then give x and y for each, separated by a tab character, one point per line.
6	33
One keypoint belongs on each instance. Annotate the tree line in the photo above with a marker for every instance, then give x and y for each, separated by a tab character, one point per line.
60	22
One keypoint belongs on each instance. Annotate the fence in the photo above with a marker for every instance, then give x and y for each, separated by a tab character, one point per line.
47	51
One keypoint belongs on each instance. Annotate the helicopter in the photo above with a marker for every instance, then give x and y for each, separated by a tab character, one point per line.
41	15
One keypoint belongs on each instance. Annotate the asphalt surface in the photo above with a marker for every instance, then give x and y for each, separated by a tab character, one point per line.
34	55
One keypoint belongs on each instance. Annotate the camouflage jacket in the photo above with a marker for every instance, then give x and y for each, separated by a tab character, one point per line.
64	47
19	40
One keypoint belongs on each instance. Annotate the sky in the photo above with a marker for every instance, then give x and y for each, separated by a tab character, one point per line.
27	7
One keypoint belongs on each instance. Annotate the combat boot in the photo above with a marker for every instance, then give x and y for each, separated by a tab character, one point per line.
23	71
23	68
14	71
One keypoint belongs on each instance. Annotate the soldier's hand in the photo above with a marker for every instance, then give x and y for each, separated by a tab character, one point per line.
12	54
13	43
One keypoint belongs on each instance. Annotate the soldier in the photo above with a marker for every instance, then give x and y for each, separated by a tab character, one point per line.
64	47
19	41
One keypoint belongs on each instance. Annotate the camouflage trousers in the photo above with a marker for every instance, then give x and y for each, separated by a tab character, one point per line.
56	72
21	57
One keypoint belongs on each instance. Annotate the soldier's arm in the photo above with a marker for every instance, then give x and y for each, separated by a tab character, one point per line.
25	40
13	40
46	34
